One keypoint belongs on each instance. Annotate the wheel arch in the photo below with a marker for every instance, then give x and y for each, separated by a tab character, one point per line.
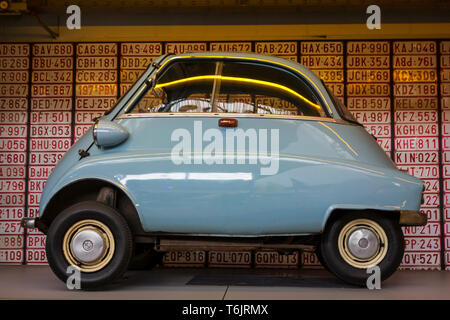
89	189
335	212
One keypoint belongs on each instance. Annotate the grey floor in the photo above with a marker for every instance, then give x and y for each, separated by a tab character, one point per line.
38	282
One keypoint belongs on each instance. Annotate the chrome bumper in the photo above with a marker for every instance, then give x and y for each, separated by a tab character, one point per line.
412	218
28	223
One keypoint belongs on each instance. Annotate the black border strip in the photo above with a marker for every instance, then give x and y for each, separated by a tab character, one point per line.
27	154
441	177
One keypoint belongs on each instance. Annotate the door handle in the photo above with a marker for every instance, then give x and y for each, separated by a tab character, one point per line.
228	122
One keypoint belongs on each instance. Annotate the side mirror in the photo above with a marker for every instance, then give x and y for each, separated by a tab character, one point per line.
108	133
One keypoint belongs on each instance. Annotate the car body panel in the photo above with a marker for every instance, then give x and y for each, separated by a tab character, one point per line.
323	164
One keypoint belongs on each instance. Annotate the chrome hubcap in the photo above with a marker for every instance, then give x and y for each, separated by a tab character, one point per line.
88	245
363	243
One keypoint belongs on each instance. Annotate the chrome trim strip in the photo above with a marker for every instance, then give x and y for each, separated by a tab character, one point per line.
223	115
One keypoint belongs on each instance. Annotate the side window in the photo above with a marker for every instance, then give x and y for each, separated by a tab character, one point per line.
265	90
230	87
183	87
149	103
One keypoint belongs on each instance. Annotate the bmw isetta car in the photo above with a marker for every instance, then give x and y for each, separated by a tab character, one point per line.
226	150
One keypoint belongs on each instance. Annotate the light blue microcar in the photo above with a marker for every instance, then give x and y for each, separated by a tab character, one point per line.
224	151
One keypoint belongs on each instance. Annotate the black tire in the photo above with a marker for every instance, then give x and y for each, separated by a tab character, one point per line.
333	259
318	253
94	211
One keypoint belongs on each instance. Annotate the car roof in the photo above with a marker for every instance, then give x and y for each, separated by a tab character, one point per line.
250	56
286	63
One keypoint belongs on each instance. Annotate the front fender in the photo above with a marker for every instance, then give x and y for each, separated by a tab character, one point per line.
86	170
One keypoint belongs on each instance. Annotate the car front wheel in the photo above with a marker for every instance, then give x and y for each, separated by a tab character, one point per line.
93	238
354	242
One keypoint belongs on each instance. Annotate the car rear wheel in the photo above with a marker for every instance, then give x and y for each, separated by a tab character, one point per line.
354	242
92	237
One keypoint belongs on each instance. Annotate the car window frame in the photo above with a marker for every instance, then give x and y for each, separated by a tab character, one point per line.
304	80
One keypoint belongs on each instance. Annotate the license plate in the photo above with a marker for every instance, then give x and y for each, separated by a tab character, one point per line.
50	131
182	47
362	103
368	62
94	103
11	256
273	259
45	158
52	49
12	185
97	63
53	63
13	131
51	117
421	259
53	76
422	171
35	185
310	260
229	259
231	46
411	75
13	145
322	62
415	90
96	49
416	116
14	49
184	258
142	48
368	75
11	63
10	227
368	47
13	158
35	242
432	229
12	172
49	144
321	47
99	90
96	76
51	90
416	157
422	244
417	129
414	47
36	256
416	143
406	61
418	103
368	89
135	63
11	242
277	48
39	172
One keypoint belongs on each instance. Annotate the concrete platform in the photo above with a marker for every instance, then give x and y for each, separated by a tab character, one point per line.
38	282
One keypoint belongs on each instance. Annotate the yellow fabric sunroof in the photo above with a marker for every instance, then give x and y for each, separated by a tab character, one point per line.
238	79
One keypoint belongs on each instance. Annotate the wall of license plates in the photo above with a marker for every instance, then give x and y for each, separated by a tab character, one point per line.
50	93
